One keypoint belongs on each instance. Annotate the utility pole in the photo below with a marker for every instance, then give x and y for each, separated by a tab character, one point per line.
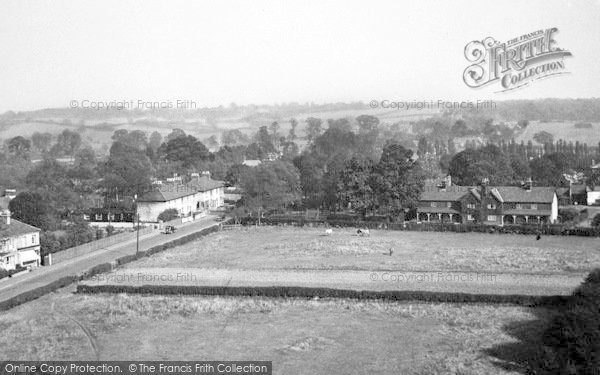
137	215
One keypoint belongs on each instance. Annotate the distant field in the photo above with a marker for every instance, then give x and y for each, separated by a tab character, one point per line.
299	336
306	248
562	130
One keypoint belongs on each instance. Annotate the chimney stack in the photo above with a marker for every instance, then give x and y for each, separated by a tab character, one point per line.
5	215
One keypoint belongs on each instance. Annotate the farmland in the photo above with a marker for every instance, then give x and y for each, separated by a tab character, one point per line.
299	336
303	335
306	248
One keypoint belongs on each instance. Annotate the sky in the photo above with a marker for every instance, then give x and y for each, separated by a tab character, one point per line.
268	52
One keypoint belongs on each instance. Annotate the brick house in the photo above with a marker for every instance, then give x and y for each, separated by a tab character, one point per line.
19	243
499	205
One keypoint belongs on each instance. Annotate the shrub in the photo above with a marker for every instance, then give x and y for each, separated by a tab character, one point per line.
168	215
572	340
568	214
596	221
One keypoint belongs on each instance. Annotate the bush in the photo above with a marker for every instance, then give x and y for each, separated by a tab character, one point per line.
572	340
168	215
568	214
4	273
596	221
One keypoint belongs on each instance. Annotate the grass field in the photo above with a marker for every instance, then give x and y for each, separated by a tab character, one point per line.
307	248
562	130
299	336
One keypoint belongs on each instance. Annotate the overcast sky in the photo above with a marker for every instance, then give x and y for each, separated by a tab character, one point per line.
266	52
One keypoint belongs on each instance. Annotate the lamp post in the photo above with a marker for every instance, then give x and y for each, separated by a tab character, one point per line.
137	216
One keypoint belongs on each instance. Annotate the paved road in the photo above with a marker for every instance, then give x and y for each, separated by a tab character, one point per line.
10	287
443	281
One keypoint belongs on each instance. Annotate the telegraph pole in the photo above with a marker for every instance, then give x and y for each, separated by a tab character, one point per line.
137	215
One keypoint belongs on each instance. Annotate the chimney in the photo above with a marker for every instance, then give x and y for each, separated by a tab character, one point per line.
5	217
448	181
528	184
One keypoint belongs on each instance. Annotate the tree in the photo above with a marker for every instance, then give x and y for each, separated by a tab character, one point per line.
367	124
398	179
188	150
176	133
293	126
234	137
126	171
19	146
470	166
460	129
354	185
543	137
41	141
155	140
67	143
31	208
270	185
313	128
274	128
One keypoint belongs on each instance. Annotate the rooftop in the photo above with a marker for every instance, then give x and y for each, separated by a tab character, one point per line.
168	192
16	228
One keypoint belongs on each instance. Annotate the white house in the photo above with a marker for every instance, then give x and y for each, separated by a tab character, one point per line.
199	195
19	243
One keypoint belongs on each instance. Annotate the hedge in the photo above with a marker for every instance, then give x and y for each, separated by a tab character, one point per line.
571	342
101	268
308	292
4	273
345	220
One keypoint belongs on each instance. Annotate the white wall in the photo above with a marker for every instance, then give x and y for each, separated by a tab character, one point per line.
592	197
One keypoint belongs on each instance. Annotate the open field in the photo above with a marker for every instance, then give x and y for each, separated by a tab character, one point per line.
562	130
299	336
268	248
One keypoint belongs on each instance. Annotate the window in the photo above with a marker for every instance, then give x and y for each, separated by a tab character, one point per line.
534	206
491	218
518	206
491	206
433	204
98	217
111	217
449	204
33	239
471	205
470	217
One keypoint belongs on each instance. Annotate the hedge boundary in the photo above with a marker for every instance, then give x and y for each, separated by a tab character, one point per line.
101	268
310	292
528	229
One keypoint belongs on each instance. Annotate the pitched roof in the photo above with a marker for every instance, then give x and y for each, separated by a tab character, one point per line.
501	193
168	192
16	228
205	183
450	194
518	194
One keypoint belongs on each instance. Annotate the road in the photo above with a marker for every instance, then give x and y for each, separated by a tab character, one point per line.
10	287
438	281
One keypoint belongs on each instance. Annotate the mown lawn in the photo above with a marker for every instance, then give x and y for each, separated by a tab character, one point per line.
307	248
299	336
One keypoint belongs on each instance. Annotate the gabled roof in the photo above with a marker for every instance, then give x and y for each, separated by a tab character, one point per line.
502	194
450	194
16	228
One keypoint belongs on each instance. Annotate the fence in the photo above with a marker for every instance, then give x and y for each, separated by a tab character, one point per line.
89	247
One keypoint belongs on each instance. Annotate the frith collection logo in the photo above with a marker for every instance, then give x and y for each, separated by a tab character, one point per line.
515	63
